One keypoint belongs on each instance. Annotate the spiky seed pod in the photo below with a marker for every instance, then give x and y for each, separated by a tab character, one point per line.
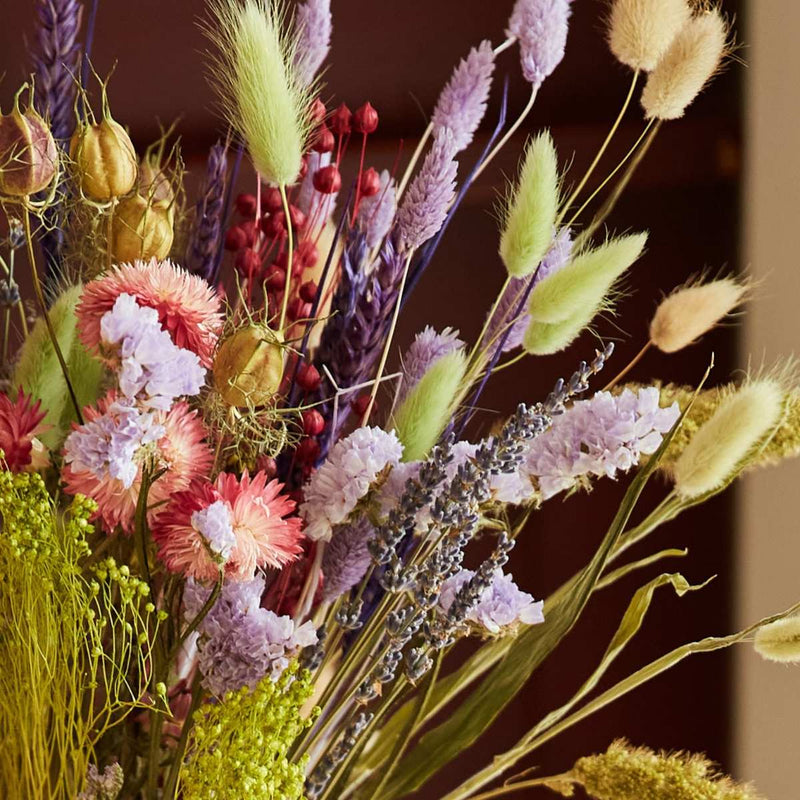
686	67
692	310
640	31
779	641
530	216
141	230
248	366
105	159
430	405
564	303
260	89
741	421
28	153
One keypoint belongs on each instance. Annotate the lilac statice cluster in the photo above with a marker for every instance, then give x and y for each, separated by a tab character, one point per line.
345	477
215	525
599	437
428	347
501	606
110	445
540	27
152	368
376	214
462	103
314	25
239	642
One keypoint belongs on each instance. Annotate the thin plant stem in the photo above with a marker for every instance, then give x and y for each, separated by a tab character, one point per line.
37	289
631	364
509	788
413	162
489	318
171	783
110	233
289	252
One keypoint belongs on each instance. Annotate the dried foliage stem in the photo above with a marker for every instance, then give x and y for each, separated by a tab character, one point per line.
630	365
289	255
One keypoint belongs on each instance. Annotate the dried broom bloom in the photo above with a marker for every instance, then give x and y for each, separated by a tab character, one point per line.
779	641
688	64
347	558
530	215
565	302
633	773
314	26
261	92
693	310
640	31
741	421
430	405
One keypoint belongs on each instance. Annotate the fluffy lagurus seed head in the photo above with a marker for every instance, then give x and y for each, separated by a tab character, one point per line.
563	304
741	421
261	93
692	310
688	64
640	31
530	215
779	641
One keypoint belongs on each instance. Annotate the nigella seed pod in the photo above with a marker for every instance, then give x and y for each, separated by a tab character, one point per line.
105	160
28	153
153	182
141	229
248	366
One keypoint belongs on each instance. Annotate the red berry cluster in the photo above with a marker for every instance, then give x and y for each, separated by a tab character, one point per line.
307	452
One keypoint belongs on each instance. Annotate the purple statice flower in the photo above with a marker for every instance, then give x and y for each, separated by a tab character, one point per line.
215	524
345	477
502	605
462	103
314	25
376	213
426	349
205	238
540	27
317	207
598	437
108	445
152	368
429	196
557	256
105	785
346	558
240	643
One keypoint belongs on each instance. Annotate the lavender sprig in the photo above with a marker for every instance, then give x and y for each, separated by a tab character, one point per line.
205	240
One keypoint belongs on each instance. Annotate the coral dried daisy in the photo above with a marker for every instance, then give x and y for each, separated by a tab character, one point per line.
104	457
238	524
20	425
187	306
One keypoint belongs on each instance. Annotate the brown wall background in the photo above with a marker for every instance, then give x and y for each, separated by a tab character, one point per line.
398	55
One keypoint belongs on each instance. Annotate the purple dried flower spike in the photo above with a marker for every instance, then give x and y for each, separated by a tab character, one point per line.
346	558
429	196
426	349
376	213
462	103
314	25
206	237
541	28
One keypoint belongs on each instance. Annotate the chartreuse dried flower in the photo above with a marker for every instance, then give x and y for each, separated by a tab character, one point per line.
686	67
779	641
238	747
635	773
430	405
639	31
530	214
261	90
565	302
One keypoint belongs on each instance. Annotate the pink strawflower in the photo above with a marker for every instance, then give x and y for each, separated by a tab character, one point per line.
238	524
187	306
181	451
20	424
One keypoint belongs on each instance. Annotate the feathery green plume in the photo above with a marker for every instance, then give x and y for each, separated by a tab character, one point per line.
531	208
741	420
634	773
779	641
253	731
564	303
430	405
38	371
260	91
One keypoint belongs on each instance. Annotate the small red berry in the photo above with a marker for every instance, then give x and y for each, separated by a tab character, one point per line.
318	110
308	378
370	183
308	292
236	238
365	120
274	225
340	120
246	204
248	263
361	403
313	422
328	179
267	465
297	217
299	310
307	253
324	141
275	277
307	451
271	200
249	227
